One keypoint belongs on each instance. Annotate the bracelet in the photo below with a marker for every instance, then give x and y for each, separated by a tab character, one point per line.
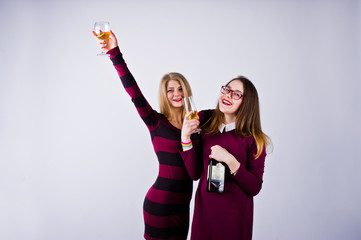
186	145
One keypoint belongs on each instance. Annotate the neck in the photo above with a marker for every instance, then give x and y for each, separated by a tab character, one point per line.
176	117
229	118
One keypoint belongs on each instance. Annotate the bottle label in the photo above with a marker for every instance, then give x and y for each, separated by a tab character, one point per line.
218	172
215	177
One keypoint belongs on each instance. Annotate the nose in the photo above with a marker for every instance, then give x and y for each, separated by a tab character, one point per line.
176	92
230	93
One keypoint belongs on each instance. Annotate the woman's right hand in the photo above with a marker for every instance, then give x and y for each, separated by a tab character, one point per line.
108	44
189	125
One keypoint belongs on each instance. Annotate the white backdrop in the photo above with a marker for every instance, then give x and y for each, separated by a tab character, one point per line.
76	160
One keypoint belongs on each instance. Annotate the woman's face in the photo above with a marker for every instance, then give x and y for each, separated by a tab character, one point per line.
227	104
174	93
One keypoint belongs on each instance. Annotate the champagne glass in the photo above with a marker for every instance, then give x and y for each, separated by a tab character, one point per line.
102	31
189	105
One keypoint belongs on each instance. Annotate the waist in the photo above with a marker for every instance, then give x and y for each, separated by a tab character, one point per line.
173	185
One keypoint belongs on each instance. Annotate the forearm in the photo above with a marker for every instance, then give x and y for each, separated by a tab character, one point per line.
250	176
192	163
232	164
118	61
250	182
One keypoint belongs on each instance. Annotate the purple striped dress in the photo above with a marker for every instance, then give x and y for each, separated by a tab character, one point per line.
166	205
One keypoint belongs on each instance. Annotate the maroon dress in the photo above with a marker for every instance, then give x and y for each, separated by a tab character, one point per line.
166	205
228	215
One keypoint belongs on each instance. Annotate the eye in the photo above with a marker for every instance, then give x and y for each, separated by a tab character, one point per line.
180	89
238	94
170	90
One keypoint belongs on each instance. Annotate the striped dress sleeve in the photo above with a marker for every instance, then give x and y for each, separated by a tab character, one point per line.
145	111
193	158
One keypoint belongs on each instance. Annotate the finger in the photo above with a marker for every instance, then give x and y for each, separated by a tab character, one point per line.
94	33
114	38
193	122
112	35
186	117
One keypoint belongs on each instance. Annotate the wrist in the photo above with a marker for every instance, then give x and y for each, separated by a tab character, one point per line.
187	145
186	139
230	159
233	164
235	168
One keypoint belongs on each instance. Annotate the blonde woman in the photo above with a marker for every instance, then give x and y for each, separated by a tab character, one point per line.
166	205
233	135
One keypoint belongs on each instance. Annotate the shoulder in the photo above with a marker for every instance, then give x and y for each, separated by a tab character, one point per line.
205	115
160	115
249	141
156	113
251	145
162	118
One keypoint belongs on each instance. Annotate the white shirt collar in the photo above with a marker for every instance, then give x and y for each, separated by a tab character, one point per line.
227	127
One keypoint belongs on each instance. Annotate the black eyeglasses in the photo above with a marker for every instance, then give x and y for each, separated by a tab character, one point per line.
236	95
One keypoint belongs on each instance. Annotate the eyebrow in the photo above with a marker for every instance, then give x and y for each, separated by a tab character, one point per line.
234	89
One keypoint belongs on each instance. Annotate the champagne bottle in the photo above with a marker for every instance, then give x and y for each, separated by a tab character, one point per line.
216	176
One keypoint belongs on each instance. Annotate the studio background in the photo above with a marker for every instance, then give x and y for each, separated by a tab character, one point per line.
76	160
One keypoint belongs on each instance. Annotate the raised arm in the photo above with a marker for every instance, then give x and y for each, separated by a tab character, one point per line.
145	111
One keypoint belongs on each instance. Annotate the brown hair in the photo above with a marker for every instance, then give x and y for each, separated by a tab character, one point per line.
248	121
164	106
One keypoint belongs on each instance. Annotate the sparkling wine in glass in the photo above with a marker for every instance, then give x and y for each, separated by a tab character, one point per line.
189	105
102	31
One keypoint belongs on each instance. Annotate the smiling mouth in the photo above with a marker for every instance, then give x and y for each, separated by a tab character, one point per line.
177	100
226	102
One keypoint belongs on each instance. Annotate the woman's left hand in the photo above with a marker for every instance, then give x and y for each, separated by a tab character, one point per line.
222	155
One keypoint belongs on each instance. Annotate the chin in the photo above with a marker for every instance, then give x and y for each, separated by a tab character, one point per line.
227	110
223	109
177	105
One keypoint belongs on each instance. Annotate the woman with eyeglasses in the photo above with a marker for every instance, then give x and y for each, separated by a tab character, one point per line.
232	136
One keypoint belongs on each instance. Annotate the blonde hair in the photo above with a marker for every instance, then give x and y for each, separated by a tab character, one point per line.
248	121
164	105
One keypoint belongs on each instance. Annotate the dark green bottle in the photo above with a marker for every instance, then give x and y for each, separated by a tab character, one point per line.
216	176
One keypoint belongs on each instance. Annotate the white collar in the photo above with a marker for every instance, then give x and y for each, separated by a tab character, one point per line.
227	127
